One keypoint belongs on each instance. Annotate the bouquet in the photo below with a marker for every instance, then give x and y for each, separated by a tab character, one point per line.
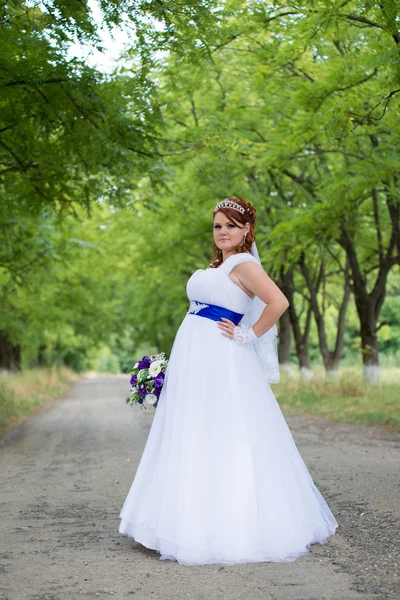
147	379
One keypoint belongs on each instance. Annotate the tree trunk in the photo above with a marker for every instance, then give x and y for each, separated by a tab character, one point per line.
369	304
330	358
370	351
301	338
285	343
10	354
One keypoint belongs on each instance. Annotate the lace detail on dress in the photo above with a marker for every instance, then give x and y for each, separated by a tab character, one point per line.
195	306
243	335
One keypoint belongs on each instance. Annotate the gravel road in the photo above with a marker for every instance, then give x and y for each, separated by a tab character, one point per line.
66	471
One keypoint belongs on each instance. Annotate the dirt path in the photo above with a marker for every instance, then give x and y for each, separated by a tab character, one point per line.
66	471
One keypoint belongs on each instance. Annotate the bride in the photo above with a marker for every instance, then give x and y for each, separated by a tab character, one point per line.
221	479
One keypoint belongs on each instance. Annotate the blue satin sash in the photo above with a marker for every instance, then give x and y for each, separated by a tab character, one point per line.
214	312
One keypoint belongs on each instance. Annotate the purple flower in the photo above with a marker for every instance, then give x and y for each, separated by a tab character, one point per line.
142	391
133	380
159	380
157	391
144	363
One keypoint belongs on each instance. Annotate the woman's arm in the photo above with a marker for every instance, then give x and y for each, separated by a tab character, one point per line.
256	280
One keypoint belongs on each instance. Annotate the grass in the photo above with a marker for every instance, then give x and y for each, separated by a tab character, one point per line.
22	394
345	398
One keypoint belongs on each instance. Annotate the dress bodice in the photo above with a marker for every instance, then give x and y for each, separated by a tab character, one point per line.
214	286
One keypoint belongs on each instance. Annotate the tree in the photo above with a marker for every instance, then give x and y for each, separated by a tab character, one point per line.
286	109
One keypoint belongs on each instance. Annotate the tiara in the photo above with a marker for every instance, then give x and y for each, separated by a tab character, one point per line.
229	204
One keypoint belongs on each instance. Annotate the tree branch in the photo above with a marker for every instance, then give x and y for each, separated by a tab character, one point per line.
378	225
361	20
285	14
233	37
33	83
369	115
347	87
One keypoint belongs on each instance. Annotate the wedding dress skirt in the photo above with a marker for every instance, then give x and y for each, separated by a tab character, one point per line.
221	479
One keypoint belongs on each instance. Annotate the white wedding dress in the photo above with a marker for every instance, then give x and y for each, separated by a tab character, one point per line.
221	479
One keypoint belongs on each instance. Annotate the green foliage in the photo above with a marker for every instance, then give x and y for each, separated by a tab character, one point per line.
68	136
345	399
107	183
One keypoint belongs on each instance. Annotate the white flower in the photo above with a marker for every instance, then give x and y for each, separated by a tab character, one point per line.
150	398
135	366
155	368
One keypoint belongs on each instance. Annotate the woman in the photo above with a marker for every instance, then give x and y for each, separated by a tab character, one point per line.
220	479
